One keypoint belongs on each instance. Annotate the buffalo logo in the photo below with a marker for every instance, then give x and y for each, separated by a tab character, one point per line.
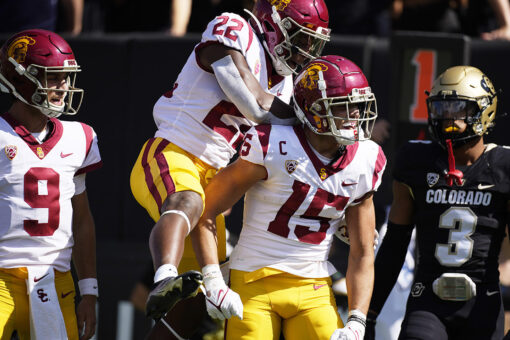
18	48
484	83
42	295
11	151
311	78
417	289
290	166
323	174
40	152
432	179
280	4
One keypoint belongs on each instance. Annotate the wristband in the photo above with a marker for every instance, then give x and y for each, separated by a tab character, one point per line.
164	271
88	287
358	316
212	276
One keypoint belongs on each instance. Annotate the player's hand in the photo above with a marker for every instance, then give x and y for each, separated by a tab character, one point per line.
86	316
353	330
221	302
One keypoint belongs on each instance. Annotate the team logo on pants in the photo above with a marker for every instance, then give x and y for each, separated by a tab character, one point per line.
11	151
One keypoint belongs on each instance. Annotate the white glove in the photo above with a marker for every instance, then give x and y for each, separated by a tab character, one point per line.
354	328
343	235
221	302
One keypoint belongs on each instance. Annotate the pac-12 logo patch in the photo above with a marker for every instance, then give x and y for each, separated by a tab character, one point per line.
432	179
11	151
290	166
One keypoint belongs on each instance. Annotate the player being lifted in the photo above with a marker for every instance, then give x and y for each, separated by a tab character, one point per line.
239	75
456	191
302	183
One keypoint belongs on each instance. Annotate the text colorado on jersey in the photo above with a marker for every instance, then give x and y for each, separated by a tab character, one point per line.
458	197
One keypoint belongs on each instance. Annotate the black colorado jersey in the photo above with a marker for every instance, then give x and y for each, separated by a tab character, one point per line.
459	228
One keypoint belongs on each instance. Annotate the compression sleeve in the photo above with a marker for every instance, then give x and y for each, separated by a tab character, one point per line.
388	263
235	89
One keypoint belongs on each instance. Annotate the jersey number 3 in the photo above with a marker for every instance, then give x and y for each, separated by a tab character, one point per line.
462	223
41	190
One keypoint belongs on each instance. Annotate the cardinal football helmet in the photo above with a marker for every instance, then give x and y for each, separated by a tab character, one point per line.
25	61
287	27
461	93
333	84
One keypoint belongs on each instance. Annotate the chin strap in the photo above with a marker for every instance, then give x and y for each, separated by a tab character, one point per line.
452	174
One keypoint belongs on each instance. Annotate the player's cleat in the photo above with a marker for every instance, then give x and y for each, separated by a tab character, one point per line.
167	292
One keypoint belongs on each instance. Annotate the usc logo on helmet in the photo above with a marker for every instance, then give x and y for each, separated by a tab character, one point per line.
18	48
280	4
311	79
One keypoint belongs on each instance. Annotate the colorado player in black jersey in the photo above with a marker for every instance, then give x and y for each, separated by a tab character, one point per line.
456	191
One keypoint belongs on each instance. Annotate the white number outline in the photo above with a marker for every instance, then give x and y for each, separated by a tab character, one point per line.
460	237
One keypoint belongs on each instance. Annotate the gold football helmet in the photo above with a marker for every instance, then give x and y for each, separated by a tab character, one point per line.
461	92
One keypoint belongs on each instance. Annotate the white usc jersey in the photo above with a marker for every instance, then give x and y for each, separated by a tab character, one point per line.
196	114
291	217
36	187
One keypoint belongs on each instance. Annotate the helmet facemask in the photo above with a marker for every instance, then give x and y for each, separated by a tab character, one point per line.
38	76
461	93
453	108
298	40
294	39
330	116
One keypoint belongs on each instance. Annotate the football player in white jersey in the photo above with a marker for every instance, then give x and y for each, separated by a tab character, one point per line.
240	74
301	183
44	210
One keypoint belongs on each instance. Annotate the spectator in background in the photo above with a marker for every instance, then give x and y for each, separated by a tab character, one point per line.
488	19
64	16
360	17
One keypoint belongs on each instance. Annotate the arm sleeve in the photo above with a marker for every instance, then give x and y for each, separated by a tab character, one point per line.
388	263
235	89
92	159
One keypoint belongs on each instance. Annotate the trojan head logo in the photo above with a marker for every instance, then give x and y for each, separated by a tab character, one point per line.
280	4
18	48
290	166
311	78
11	151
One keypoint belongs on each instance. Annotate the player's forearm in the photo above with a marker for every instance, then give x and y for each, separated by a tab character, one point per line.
84	235
84	250
360	280
205	242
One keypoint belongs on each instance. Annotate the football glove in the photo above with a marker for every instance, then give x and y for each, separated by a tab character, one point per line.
221	302
167	292
354	328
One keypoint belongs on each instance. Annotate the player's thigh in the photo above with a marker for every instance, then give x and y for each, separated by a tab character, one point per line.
259	320
66	292
318	316
422	325
162	169
14	307
184	318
